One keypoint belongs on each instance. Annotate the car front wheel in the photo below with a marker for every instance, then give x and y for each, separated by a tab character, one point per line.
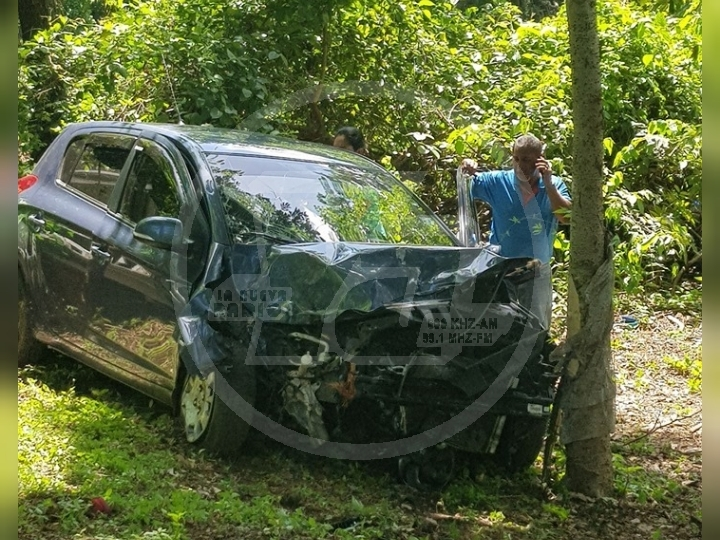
210	406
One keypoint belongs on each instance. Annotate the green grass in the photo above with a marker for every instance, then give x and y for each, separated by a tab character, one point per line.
688	367
74	447
82	436
633	482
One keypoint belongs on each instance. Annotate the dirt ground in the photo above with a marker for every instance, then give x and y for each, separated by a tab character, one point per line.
657	450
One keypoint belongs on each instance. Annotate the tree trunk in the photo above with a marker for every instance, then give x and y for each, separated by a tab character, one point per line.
588	403
33	16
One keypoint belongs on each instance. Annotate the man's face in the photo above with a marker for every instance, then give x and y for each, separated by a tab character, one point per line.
524	161
342	142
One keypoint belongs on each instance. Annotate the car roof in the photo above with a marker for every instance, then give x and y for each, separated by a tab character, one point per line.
239	141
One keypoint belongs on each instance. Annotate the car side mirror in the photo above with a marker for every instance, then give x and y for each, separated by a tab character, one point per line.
159	232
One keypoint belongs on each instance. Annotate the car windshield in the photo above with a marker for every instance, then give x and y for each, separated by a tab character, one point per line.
299	201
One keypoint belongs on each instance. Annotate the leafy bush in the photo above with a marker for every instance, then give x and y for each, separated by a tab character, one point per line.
654	202
428	84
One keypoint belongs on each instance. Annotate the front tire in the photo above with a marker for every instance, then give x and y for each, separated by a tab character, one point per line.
208	406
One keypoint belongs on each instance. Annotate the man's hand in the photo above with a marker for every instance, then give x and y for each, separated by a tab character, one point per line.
545	169
469	166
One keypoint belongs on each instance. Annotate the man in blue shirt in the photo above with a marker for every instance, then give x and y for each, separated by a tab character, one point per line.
527	203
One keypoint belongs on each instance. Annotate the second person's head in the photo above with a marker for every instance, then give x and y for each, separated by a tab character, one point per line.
350	138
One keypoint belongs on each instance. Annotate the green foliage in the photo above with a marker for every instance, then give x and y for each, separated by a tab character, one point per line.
559	512
690	367
428	83
634	482
535	9
89	10
654	203
651	66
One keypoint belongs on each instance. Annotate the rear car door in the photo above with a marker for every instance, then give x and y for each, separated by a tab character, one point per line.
63	218
133	283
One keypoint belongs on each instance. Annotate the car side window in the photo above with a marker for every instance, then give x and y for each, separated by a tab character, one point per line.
151	188
92	164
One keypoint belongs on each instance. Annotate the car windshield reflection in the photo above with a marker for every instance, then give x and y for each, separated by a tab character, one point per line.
288	201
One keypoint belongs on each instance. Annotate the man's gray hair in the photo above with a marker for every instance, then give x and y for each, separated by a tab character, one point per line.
528	142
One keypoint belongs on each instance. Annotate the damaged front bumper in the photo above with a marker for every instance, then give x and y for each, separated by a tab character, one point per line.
369	343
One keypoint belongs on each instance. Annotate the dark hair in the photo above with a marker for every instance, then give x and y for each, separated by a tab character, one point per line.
353	136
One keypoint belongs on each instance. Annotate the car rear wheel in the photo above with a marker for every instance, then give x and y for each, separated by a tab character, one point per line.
208	406
29	348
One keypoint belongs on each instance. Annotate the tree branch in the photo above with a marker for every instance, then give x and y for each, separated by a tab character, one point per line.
661	426
459	517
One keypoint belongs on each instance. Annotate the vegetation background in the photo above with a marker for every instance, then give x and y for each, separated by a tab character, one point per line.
429	82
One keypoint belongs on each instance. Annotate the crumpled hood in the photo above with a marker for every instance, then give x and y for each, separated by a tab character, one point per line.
326	280
315	283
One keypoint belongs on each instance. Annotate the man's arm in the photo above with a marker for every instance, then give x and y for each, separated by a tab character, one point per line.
479	186
559	202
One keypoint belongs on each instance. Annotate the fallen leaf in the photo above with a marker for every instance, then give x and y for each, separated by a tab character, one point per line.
99	506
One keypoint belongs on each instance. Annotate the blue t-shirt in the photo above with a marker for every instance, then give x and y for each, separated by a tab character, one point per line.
520	231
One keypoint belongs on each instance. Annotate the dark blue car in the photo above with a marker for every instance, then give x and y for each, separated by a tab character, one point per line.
302	289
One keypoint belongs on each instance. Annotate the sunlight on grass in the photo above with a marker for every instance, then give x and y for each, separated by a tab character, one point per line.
688	367
42	446
80	438
73	448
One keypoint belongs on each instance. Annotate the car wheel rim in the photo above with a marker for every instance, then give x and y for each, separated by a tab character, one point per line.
196	404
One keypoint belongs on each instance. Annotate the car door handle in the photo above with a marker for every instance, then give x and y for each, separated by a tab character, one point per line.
36	220
99	252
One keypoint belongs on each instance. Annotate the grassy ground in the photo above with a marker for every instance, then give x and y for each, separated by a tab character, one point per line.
82	436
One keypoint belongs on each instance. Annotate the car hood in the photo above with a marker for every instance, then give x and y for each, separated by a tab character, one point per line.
312	284
300	283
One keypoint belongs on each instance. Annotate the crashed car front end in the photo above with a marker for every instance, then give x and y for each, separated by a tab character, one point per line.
371	343
372	330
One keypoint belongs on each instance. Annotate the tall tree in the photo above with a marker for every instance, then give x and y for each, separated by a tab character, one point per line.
588	397
33	15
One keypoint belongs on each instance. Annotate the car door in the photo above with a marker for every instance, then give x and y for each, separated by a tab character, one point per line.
133	283
468	232
63	218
